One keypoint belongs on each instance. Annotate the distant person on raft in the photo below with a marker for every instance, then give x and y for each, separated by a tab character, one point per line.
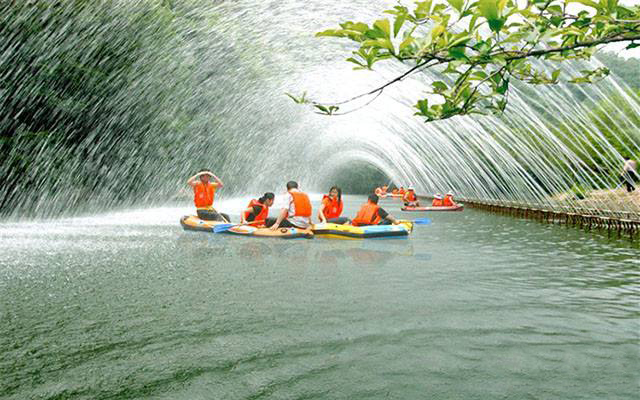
381	191
331	207
448	200
629	174
437	200
204	193
372	214
410	198
295	210
257	211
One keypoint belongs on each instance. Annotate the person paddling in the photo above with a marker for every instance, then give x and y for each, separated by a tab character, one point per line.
331	207
257	211
372	214
204	193
448	200
410	199
295	211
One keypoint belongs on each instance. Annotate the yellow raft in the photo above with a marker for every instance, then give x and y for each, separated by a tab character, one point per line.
363	232
193	223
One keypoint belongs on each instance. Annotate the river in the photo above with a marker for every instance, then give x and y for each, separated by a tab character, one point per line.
127	305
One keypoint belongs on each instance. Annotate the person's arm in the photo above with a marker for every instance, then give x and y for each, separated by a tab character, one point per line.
218	183
383	214
281	217
192	181
243	212
321	216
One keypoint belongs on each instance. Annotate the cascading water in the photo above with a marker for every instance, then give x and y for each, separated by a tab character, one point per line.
207	90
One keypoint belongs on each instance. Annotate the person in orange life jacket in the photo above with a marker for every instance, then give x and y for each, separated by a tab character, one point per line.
258	210
204	193
437	200
331	207
371	214
448	200
401	191
410	199
295	210
395	191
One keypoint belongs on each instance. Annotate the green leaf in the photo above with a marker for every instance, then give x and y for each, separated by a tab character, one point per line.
491	11
458	53
457	4
383	25
438	30
397	25
439	86
406	43
555	74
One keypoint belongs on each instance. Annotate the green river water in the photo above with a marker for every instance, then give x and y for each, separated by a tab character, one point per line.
474	306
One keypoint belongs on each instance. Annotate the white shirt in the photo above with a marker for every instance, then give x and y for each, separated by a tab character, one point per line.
286	201
630	165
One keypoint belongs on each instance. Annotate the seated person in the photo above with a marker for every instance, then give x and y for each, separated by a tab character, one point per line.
410	199
331	207
371	214
257	211
203	195
448	200
295	210
437	200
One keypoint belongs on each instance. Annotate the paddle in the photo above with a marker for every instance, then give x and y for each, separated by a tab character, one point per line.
225	227
422	221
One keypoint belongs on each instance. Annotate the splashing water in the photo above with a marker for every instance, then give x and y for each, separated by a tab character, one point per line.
204	88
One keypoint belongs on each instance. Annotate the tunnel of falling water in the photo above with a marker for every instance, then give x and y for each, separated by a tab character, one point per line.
218	88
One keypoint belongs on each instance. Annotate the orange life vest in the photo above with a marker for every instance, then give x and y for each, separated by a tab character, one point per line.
368	215
401	191
437	202
302	204
332	207
448	201
204	194
262	215
410	196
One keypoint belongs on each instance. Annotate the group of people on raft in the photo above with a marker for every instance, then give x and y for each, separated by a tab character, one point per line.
295	210
410	199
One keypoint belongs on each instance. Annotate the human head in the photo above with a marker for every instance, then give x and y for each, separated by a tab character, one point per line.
292	185
267	199
337	191
373	198
438	196
204	178
410	188
384	187
449	193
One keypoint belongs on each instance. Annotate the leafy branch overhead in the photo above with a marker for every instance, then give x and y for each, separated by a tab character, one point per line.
480	46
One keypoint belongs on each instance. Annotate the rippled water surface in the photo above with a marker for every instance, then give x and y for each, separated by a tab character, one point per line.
474	306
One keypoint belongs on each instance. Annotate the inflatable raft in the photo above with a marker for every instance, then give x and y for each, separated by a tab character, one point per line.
363	232
193	223
458	207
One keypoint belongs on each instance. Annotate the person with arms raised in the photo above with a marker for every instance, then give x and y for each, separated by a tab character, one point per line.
204	193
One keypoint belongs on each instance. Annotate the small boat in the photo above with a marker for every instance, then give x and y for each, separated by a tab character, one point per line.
193	223
363	232
457	207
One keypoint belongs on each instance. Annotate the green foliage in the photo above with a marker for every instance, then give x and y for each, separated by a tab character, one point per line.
482	45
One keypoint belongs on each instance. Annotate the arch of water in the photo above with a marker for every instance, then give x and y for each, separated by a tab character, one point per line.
223	107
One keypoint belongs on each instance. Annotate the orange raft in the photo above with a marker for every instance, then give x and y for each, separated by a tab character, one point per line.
193	223
458	207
